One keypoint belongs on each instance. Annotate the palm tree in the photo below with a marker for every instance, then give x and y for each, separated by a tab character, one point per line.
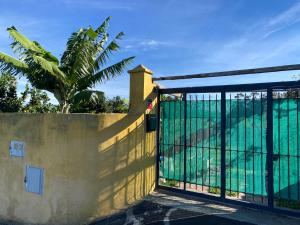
80	68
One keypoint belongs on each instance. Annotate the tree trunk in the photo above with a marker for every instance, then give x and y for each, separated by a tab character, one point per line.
62	100
65	107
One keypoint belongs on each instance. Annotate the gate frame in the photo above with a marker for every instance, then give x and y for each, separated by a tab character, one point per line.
223	89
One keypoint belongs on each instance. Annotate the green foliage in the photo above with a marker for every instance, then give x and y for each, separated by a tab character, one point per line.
9	101
214	190
38	101
232	193
171	183
292	204
32	100
81	67
96	103
117	105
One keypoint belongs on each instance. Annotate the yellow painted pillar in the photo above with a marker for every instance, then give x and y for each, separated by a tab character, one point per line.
141	90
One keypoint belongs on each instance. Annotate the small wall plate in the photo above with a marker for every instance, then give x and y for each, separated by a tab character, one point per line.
17	149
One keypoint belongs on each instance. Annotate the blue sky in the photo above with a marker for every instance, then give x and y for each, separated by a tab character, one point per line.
170	36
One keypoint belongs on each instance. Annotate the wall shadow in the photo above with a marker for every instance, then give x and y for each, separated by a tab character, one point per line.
126	170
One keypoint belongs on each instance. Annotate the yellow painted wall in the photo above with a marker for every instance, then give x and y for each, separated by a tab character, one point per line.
94	165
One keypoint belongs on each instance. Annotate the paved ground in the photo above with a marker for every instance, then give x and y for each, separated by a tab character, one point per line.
148	212
167	209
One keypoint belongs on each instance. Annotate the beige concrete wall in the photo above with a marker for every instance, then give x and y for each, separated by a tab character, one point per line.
94	165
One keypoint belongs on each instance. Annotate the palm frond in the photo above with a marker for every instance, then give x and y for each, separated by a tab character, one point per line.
47	55
50	67
103	27
105	74
86	96
104	55
84	62
91	33
11	64
70	49
101	42
23	46
22	40
76	59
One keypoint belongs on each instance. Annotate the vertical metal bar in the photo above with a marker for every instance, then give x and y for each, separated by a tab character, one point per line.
190	141
270	147
180	142
203	132
288	142
174	146
223	145
184	134
261	146
209	122
253	145
237	144
169	121
245	142
157	138
298	153
196	141
279	147
163	140
216	161
230	146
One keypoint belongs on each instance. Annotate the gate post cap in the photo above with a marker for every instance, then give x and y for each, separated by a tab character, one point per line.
140	68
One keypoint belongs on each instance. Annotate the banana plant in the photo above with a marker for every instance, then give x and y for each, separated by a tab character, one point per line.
72	78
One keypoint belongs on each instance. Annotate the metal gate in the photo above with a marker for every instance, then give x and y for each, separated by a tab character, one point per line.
235	143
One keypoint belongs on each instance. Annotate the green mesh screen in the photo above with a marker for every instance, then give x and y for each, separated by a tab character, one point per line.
246	152
286	149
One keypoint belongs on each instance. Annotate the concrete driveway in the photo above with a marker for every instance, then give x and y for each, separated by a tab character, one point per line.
167	209
148	212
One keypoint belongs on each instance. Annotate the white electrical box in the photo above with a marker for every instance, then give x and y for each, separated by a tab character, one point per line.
34	179
17	149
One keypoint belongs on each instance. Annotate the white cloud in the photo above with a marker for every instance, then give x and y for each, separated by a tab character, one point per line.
151	43
271	25
26	22
128	47
287	18
260	45
147	44
254	54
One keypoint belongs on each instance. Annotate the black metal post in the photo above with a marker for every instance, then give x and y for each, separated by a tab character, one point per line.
196	142
223	145
270	147
157	138
202	142
298	154
184	141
